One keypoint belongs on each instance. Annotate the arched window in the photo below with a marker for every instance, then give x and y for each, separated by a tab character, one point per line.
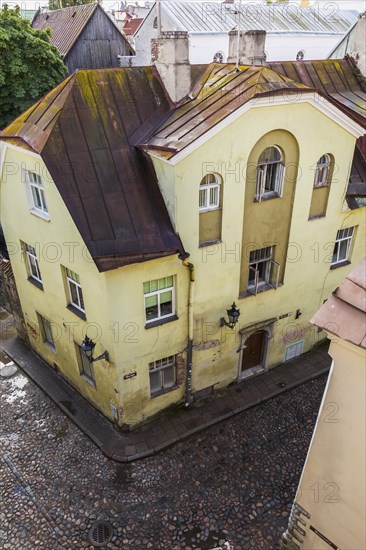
300	55
322	171
155	23
270	174
218	57
209	197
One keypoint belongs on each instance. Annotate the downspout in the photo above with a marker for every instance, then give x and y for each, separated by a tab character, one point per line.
190	266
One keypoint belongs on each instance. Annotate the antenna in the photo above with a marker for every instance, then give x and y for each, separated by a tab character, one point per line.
238	40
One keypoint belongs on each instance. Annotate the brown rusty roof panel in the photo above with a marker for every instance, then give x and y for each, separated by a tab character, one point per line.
220	92
339	79
66	24
107	184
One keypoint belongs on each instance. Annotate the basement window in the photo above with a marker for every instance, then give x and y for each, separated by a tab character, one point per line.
162	375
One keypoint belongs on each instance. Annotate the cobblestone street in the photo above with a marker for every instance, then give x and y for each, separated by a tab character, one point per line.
231	486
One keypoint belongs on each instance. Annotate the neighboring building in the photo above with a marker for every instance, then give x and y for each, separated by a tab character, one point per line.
330	504
116	184
85	36
353	44
292	32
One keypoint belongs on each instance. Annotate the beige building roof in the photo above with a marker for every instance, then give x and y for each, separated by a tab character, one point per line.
344	314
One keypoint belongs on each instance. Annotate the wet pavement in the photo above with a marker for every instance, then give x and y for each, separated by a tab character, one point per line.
230	486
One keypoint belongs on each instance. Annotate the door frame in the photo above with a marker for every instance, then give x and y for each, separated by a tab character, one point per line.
267	327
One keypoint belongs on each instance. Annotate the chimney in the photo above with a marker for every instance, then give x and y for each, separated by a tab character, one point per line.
170	54
251	47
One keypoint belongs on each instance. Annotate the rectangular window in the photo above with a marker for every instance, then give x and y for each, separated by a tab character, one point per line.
159	299
46	330
209	198
75	290
269	181
342	246
34	273
86	367
37	194
262	269
162	374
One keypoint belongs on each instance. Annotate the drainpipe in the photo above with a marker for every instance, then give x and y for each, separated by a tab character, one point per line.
190	266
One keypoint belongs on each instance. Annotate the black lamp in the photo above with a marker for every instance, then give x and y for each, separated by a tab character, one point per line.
233	313
88	347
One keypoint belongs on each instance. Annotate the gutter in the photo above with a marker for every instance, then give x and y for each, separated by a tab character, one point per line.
188	394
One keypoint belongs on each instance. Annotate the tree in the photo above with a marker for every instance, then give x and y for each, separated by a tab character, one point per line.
29	66
58	4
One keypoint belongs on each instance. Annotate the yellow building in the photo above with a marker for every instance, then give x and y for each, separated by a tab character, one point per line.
330	504
137	222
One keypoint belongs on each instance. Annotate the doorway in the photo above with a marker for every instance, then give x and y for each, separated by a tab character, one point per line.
253	354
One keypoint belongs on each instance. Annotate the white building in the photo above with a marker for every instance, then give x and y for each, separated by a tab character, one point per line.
292	32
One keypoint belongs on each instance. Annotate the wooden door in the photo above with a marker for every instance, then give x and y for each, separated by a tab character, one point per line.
253	351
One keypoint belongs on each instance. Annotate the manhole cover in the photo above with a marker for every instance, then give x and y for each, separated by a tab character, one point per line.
100	533
8	370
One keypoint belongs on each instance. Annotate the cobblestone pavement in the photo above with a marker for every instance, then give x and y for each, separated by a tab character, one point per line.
230	487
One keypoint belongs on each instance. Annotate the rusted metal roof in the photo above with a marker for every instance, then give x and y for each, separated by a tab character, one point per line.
66	24
339	79
344	314
86	130
216	17
220	92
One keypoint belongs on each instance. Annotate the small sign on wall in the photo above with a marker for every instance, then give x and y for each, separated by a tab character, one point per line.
130	375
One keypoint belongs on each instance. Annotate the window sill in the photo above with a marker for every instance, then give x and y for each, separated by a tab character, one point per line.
262	288
159	322
340	264
209	243
163	391
40	214
268	196
35	283
76	311
89	380
317	217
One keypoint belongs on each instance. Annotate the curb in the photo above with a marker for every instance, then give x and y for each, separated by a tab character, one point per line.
169	443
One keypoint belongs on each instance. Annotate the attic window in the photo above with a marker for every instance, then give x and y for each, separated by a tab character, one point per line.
73	15
218	57
155	23
300	56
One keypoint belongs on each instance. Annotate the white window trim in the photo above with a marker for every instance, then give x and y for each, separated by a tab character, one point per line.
349	243
266	283
319	168
34	209
161	370
78	286
206	187
46	342
261	171
29	255
158	292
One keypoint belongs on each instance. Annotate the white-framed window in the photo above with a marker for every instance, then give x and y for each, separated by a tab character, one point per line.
262	269
46	330
75	291
218	57
342	246
270	174
209	194
322	171
162	374
36	192
294	350
159	296
34	273
86	367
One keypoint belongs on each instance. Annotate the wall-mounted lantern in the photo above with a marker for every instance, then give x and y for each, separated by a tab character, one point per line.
88	347
233	313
